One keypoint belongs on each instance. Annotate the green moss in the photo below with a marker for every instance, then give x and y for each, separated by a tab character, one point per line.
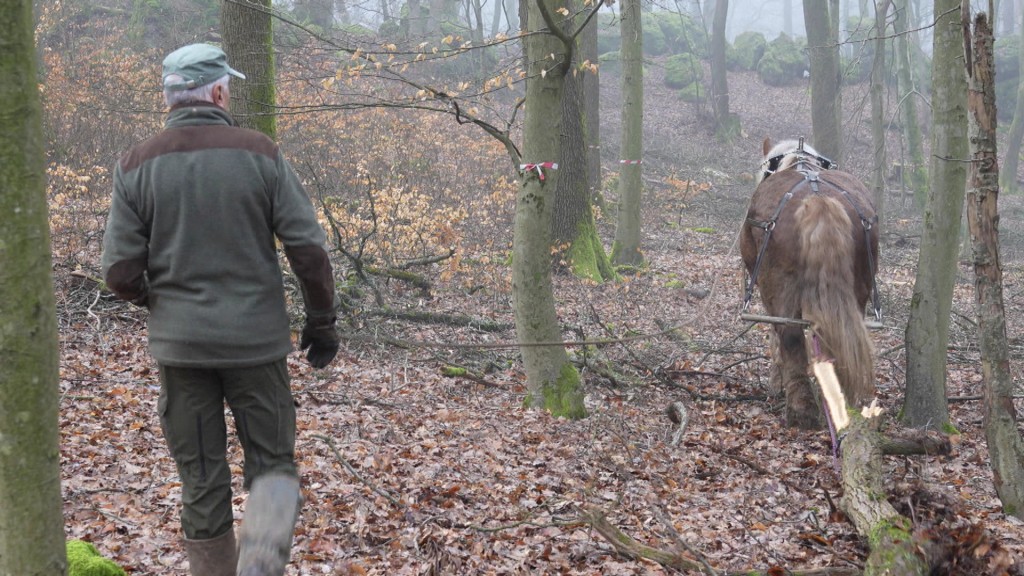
783	63
682	70
704	230
453	371
893	530
693	92
675	284
654	40
563	397
948	428
893	550
747	51
85	560
587	255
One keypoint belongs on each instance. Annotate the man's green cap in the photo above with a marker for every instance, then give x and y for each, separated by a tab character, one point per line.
198	64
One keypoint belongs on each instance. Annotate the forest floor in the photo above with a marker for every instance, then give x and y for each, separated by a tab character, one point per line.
406	471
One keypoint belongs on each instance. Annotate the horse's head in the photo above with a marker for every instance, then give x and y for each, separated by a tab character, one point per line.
787	154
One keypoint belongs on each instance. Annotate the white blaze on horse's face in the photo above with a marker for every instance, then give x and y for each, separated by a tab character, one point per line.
788	152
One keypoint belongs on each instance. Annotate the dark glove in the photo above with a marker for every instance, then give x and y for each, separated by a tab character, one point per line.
320	336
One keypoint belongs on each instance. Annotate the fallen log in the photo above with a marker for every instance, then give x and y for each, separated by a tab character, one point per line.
895	548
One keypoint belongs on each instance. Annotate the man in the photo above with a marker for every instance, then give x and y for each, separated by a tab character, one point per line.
191	236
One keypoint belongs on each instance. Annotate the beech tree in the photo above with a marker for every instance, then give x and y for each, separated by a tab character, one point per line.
826	99
626	249
31	521
878	108
913	171
574	229
727	124
927	333
249	44
553	382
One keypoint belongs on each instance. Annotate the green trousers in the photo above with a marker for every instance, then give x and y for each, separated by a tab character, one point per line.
192	416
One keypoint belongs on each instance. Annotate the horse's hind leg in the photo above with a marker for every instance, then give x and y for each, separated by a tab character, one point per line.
803	409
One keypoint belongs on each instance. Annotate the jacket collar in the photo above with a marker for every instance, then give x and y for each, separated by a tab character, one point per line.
197	114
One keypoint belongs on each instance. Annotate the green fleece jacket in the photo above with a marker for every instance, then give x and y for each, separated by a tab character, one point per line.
191	235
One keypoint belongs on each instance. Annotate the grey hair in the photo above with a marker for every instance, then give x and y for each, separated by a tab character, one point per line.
203	93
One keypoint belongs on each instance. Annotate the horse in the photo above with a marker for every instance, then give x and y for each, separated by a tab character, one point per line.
810	244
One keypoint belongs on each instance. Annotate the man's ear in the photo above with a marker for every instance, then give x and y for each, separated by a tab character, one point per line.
220	96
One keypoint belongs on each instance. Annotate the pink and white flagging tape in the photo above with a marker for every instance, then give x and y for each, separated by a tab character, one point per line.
631	161
539	167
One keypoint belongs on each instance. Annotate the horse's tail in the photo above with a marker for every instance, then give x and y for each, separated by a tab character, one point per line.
828	299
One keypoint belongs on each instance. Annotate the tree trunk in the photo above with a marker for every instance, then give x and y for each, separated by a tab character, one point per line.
927	333
441	11
826	100
249	44
416	23
592	112
913	171
626	249
553	382
513	9
475	9
320	13
574	230
1005	448
727	125
496	17
1008	175
31	522
341	12
878	109
1006	16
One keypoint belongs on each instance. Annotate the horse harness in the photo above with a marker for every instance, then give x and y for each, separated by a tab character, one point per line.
806	164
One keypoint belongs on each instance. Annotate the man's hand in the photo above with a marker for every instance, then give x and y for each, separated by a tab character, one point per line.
320	336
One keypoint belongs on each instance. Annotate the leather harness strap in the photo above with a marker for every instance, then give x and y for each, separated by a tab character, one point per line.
811	177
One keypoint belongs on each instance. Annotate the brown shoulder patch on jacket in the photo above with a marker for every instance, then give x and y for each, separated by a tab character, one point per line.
197	139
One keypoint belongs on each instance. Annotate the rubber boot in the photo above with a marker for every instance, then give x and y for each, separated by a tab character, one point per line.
265	538
213	557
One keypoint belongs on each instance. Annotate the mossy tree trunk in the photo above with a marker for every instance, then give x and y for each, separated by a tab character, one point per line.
552	381
574	232
895	548
826	99
626	249
249	44
1005	448
927	334
31	521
